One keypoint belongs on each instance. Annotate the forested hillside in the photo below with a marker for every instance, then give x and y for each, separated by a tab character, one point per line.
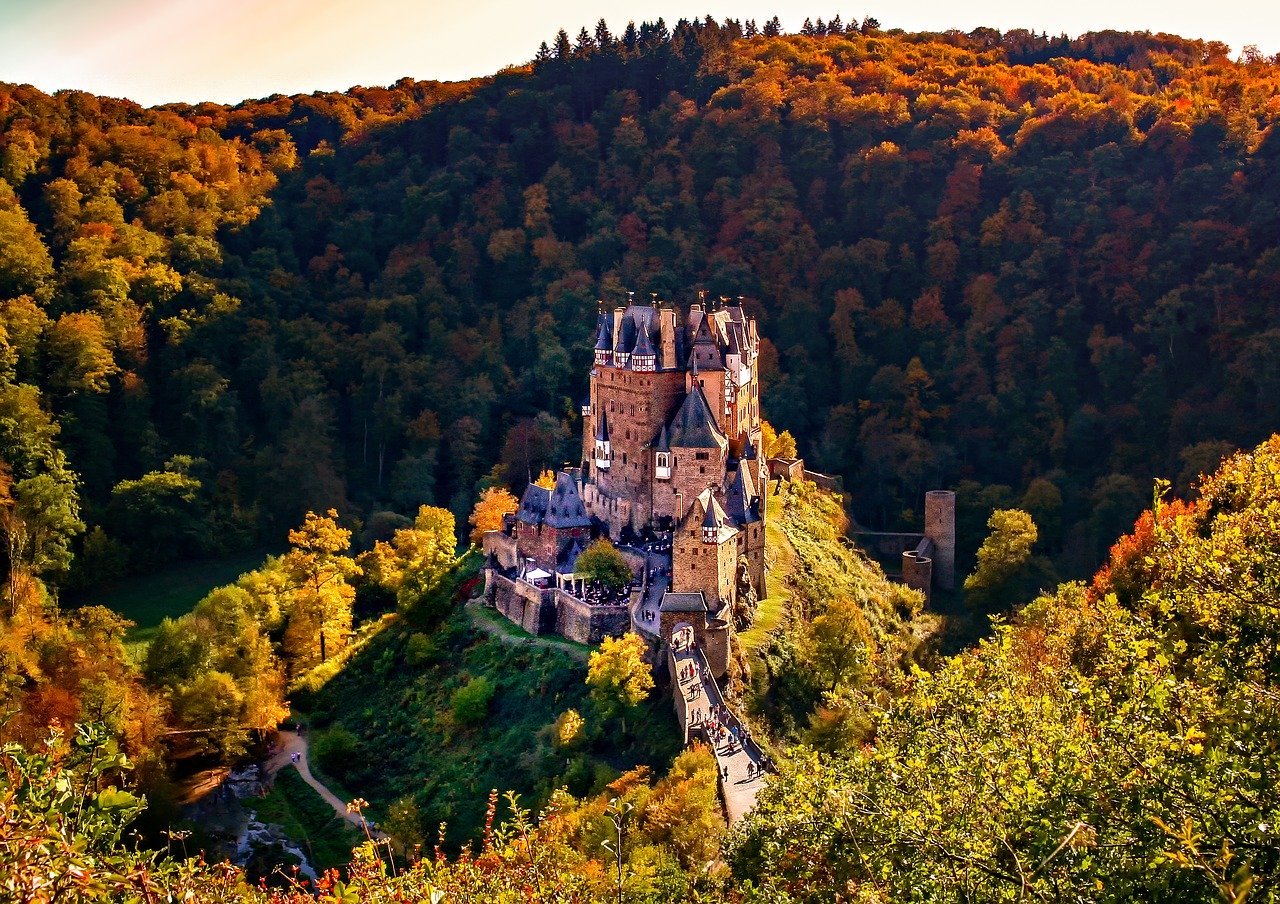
1116	742
1036	269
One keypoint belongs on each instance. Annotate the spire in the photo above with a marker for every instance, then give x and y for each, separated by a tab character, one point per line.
602	333
602	427
643	344
664	440
644	358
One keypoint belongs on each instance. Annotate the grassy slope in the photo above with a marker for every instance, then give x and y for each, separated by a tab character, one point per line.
169	592
410	745
811	565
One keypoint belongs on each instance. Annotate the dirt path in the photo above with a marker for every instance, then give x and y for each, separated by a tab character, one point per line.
290	743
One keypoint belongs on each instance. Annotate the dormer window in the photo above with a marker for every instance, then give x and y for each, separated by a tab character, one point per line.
662	466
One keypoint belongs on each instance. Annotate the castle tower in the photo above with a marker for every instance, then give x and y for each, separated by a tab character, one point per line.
673	411
940	527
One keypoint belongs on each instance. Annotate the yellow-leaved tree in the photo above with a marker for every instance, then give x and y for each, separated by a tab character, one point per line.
619	676
321	599
487	515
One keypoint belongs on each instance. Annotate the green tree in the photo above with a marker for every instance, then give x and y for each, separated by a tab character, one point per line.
470	703
161	515
1002	557
841	643
603	564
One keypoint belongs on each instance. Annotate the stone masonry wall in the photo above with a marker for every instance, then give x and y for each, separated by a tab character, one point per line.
637	404
696	566
521	603
502	547
682	706
578	621
715	645
537	542
689	477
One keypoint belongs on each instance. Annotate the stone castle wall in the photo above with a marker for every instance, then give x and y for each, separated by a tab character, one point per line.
541	542
521	603
540	611
715	645
637	405
710	568
501	547
940	527
578	621
682	705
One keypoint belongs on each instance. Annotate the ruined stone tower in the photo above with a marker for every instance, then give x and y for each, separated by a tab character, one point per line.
940	527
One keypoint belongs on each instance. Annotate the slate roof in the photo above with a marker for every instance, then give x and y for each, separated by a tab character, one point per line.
740	495
663	442
683	602
533	504
643	345
602	426
694	426
604	329
565	508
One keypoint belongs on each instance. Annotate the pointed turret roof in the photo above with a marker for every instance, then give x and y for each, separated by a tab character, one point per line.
602	427
644	346
740	495
707	513
694	426
663	442
604	329
626	335
565	508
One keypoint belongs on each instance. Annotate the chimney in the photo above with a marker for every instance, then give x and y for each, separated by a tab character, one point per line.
617	324
667	336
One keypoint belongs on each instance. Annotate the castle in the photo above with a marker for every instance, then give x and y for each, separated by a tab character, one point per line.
671	472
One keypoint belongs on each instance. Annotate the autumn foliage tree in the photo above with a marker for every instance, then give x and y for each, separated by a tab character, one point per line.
619	676
319	610
494	503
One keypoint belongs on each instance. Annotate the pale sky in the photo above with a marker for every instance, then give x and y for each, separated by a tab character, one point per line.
157	51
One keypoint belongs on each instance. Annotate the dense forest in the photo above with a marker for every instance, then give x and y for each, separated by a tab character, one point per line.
1040	270
1034	269
1114	742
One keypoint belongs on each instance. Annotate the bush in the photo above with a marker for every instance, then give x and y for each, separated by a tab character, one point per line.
471	701
334	749
421	650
